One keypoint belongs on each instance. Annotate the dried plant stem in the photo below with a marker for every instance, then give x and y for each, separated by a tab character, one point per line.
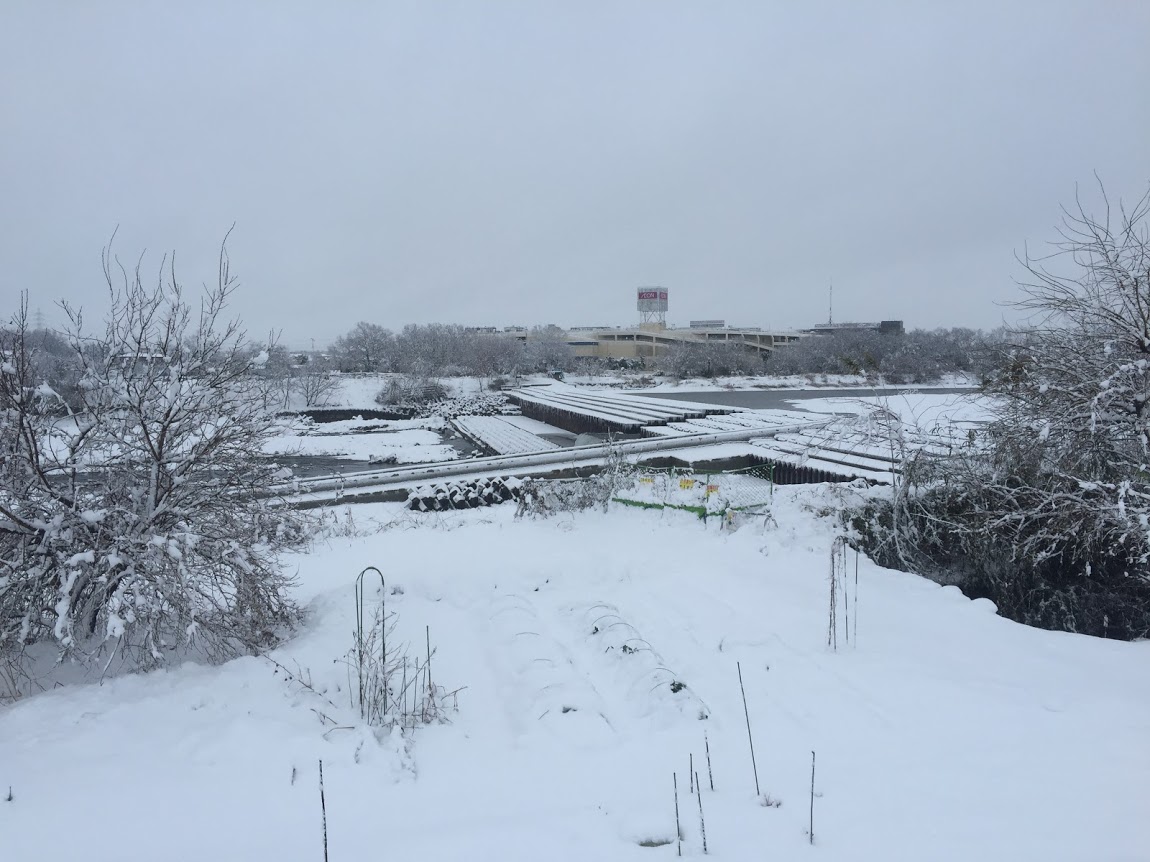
323	810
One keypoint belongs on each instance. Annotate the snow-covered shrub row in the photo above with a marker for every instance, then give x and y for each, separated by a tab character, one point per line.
542	498
464	495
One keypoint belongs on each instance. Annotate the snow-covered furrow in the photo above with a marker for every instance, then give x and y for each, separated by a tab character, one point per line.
543	685
640	673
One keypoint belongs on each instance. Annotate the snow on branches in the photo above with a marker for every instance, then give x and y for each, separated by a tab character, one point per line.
128	523
1050	514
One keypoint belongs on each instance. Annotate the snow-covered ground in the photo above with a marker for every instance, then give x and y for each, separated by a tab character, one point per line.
942	731
409	441
358	391
925	411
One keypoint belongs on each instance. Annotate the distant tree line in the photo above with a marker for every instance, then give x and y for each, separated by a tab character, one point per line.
920	356
436	350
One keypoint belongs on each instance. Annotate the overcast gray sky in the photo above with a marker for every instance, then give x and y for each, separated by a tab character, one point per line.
502	163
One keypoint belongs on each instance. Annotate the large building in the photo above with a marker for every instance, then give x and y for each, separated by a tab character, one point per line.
648	341
886	327
652	336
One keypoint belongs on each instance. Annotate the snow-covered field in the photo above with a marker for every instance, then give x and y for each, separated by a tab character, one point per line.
924	411
358	391
942	731
408	441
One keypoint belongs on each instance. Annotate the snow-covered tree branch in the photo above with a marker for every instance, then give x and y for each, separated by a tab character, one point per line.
1050	514
129	524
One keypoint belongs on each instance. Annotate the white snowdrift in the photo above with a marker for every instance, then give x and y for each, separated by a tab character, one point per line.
943	732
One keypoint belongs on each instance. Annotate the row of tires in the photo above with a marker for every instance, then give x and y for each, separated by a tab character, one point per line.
464	495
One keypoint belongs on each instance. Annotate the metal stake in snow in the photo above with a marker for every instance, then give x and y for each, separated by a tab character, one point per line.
856	596
846	594
678	829
750	739
702	823
691	774
710	775
811	832
323	810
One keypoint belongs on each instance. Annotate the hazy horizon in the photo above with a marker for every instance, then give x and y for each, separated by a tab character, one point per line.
530	162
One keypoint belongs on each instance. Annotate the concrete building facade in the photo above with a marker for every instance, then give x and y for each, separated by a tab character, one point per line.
652	340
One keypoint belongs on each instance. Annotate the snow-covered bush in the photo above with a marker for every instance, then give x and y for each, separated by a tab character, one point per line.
709	359
1049	513
541	498
130	528
411	390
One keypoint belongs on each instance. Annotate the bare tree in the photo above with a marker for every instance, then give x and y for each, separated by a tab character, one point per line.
130	527
1049	514
710	359
367	347
1077	375
271	365
315	384
547	350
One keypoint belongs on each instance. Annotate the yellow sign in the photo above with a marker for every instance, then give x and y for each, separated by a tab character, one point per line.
712	489
686	484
